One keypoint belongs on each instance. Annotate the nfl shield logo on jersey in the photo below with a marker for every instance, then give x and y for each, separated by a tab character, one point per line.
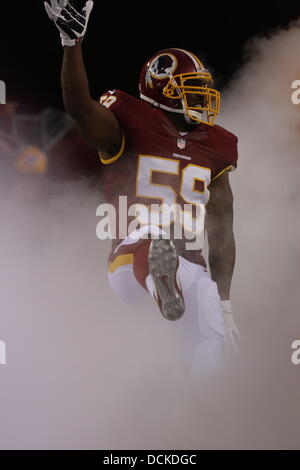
181	143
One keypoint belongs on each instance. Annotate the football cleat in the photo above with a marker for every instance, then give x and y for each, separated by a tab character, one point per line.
163	266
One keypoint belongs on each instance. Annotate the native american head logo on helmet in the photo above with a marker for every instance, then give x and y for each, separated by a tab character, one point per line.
173	78
163	65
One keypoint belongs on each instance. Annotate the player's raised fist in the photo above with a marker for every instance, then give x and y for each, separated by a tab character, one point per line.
71	18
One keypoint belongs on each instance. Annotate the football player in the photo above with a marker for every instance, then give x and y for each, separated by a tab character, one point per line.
161	147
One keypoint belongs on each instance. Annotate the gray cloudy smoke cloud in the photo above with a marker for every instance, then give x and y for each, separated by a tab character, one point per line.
83	371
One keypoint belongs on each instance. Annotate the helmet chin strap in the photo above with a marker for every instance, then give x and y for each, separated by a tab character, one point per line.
193	112
188	120
183	110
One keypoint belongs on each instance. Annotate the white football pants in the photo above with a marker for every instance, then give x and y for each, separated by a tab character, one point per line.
202	325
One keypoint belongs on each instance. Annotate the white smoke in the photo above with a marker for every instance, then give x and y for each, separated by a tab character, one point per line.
83	371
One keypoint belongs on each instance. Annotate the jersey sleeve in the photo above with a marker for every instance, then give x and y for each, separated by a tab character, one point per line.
112	99
226	151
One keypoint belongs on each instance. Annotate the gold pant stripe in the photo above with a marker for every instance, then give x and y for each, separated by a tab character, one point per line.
120	260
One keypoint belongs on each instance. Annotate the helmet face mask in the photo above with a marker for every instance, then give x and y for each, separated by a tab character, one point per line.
196	95
176	80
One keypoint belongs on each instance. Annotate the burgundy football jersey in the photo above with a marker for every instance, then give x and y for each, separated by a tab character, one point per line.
157	164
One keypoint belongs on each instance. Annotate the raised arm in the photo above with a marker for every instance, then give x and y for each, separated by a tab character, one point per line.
97	125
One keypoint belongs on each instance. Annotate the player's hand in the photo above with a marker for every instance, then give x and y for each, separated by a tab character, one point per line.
70	19
232	334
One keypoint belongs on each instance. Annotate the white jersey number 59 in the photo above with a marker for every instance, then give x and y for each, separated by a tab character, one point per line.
165	213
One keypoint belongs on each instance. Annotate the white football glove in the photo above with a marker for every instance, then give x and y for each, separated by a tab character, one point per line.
71	23
232	334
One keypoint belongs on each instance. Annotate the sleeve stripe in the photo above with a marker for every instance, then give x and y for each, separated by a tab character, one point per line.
228	168
118	155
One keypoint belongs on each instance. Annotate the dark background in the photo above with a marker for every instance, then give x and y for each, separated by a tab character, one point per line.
121	37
